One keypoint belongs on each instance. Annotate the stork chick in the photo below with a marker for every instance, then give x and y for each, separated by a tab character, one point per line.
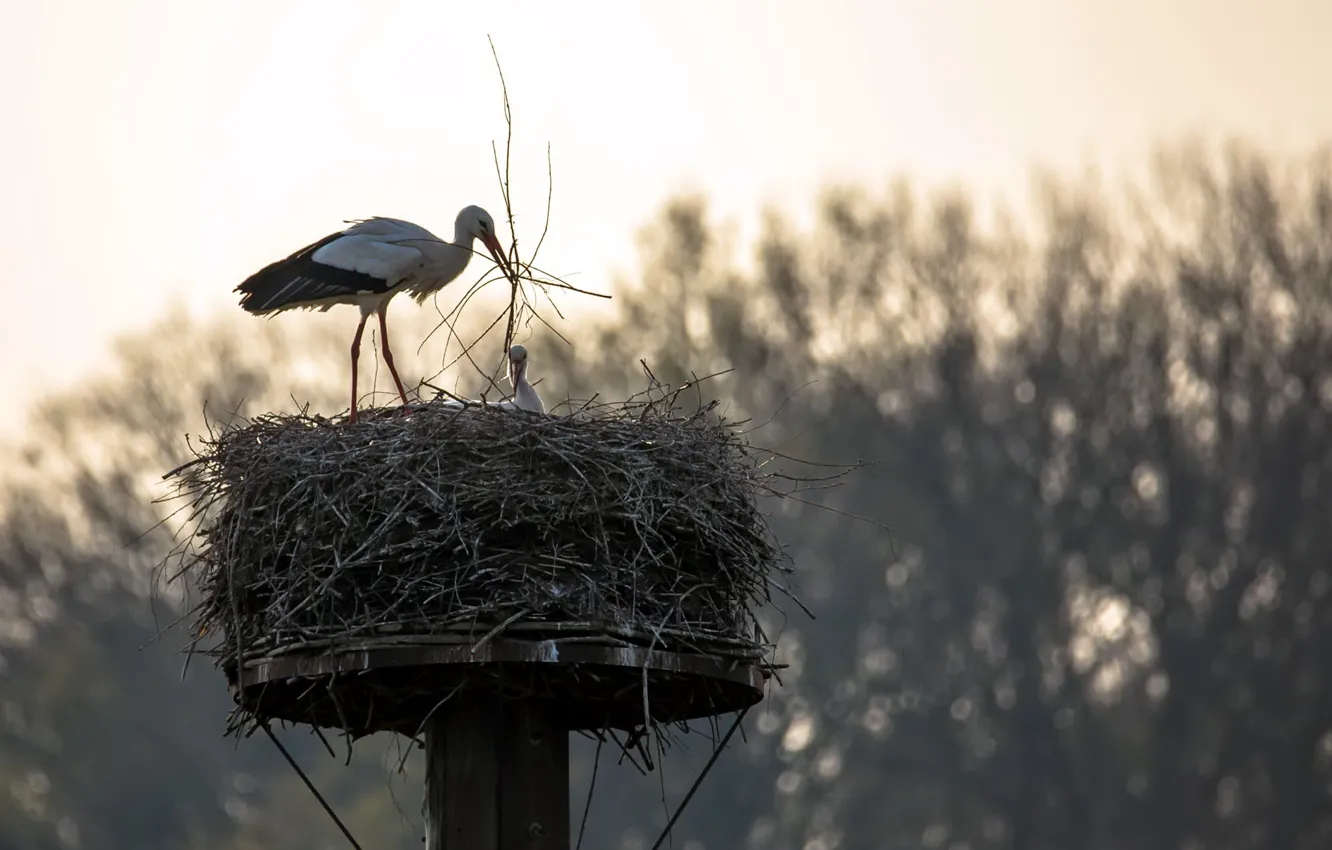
525	396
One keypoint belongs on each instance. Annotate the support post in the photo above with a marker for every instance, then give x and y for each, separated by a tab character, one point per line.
496	778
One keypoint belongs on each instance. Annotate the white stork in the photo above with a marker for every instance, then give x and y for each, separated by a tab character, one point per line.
525	396
366	265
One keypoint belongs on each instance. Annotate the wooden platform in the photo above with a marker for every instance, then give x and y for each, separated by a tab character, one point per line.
386	685
495	720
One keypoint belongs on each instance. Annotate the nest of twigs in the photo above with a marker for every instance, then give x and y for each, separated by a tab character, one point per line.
617	525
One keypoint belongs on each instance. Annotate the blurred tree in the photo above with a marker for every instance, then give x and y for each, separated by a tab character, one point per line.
1102	439
102	745
1105	449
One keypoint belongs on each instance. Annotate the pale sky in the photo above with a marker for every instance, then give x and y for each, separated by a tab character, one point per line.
159	151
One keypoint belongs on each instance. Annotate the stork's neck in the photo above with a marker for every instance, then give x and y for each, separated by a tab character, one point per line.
524	394
452	258
462	237
526	398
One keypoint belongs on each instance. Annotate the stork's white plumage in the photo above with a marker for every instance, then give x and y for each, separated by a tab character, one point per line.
366	265
525	396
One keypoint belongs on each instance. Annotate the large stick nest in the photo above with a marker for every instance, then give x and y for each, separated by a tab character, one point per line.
629	524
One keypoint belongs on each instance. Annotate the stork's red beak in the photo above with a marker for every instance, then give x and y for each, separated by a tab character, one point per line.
493	246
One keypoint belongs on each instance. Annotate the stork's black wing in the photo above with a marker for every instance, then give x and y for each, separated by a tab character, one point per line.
299	280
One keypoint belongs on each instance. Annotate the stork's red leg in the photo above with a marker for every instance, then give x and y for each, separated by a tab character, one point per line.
388	355
355	356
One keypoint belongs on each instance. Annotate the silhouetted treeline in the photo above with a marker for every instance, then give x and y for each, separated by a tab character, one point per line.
1101	620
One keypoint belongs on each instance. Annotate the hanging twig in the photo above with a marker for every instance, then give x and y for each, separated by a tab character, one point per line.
689	795
308	784
592	787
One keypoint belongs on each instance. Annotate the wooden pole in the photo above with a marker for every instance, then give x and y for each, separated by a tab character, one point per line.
497	777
